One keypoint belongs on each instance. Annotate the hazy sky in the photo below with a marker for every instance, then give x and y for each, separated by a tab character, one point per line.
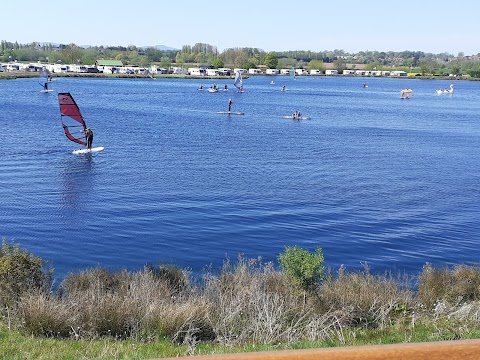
429	26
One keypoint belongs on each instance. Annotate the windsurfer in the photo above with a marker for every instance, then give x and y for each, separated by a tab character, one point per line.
89	137
229	104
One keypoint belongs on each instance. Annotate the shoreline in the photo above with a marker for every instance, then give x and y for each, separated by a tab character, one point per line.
26	75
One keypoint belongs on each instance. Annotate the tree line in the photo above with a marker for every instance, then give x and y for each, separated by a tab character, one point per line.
207	54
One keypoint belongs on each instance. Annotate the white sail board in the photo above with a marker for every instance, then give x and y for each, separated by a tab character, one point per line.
86	151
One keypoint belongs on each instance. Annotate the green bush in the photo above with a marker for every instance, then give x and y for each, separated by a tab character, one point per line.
306	268
20	272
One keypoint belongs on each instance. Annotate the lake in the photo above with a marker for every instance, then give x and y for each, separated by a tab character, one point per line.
369	177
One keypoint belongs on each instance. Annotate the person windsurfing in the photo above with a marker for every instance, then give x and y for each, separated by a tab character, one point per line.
89	137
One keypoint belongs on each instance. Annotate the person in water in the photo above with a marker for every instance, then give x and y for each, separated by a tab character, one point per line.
229	105
89	137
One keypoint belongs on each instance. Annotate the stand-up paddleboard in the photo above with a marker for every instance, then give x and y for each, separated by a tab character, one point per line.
296	118
46	91
86	151
230	112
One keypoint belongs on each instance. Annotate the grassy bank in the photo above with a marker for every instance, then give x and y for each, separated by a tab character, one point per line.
248	306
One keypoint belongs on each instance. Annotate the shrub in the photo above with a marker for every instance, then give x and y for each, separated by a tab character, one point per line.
45	315
20	272
253	302
97	278
457	285
306	268
360	298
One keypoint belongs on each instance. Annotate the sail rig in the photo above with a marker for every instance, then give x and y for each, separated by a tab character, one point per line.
44	78
238	83
72	120
44	73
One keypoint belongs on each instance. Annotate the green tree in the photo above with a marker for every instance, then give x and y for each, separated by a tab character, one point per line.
271	60
305	268
455	68
316	64
426	66
72	54
340	64
250	65
165	62
241	60
217	63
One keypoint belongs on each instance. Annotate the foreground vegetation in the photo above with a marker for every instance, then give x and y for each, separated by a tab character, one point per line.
249	306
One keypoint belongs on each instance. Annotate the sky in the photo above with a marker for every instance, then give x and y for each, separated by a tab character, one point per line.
429	26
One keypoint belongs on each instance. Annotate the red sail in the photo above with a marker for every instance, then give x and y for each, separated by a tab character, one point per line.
72	120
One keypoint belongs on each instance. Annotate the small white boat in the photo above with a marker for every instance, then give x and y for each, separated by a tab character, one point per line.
212	90
445	91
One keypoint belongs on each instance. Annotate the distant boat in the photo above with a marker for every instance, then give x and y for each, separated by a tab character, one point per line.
296	117
405	93
238	83
445	91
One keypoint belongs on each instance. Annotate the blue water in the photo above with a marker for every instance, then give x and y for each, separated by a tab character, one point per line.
369	178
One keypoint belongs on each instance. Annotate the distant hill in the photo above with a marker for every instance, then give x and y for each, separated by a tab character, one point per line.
161	47
158	47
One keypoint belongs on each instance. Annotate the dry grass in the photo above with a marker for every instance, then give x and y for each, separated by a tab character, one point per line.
456	286
360	298
249	302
